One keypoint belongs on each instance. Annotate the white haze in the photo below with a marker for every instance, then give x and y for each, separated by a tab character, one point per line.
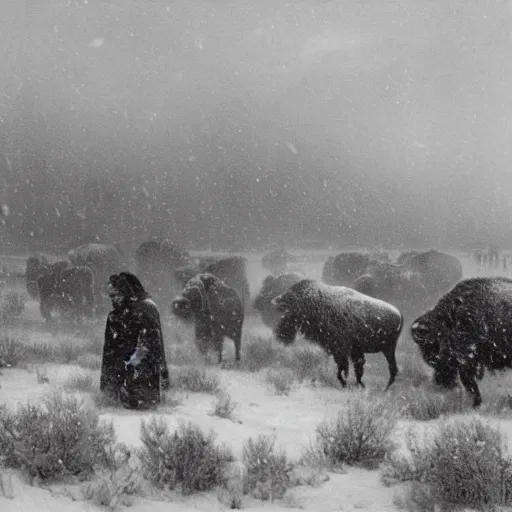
358	122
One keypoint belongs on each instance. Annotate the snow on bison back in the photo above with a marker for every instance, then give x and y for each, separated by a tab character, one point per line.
469	329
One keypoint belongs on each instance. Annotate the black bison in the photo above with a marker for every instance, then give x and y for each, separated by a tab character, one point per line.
393	284
157	261
216	310
271	288
67	289
345	323
343	269
405	256
35	266
232	270
380	256
438	271
184	274
276	262
103	260
467	331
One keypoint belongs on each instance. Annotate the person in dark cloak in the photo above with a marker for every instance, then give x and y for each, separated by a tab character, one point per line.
134	367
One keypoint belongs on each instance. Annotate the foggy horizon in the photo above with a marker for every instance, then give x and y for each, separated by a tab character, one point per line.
236	125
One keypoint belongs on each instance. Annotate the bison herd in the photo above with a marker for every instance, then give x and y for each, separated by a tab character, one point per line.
461	327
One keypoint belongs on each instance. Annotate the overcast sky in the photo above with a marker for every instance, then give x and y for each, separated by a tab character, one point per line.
410	95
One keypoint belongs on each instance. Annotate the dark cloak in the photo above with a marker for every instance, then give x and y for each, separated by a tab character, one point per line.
134	367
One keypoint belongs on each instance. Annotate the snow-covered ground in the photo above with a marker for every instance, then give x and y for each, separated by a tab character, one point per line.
292	419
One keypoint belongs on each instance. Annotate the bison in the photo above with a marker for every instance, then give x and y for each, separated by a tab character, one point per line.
103	260
343	269
68	289
393	284
35	266
439	271
156	262
405	256
467	331
345	323
216	310
271	288
232	270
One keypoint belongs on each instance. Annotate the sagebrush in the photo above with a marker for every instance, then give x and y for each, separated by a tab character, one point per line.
112	487
424	404
186	457
83	382
305	362
259	353
196	379
463	463
57	437
12	305
280	380
224	406
13	352
361	433
267	471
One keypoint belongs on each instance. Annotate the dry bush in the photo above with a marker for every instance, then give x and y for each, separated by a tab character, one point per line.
416	497
259	353
231	492
267	472
186	354
224	406
185	457
58	437
83	382
414	371
305	362
196	379
326	374
114	486
13	352
66	351
69	350
424	404
89	361
42	375
360	434
12	305
280	380
500	405
312	468
464	463
41	352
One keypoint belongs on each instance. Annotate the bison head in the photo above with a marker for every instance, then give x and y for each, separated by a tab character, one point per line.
194	298
429	334
288	305
181	307
426	335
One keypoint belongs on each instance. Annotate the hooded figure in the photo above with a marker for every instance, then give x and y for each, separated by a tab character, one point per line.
134	366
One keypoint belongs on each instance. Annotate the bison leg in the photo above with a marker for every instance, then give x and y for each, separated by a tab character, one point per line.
45	310
342	363
358	361
204	335
468	379
218	343
393	367
237	338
